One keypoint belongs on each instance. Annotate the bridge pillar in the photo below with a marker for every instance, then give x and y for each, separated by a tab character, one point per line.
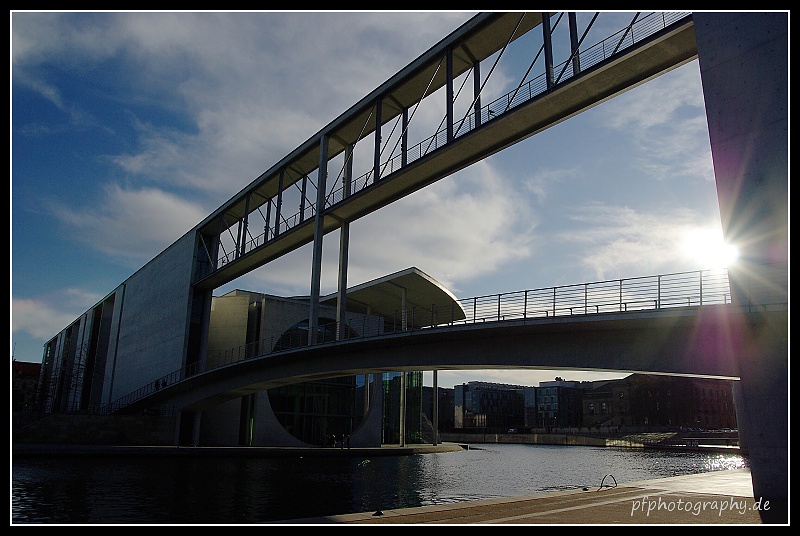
319	233
344	251
403	409
435	407
743	59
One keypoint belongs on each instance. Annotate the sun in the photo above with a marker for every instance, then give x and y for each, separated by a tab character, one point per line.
707	247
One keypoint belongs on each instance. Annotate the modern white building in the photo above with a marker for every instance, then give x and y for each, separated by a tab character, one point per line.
85	365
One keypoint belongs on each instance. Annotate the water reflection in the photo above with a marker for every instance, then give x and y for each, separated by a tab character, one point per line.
253	490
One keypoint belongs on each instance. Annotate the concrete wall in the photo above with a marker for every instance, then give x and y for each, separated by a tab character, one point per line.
219	425
228	327
151	319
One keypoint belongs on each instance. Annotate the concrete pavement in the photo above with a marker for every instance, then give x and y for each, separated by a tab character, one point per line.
719	497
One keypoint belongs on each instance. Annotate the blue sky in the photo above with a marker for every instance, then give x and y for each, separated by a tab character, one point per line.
128	128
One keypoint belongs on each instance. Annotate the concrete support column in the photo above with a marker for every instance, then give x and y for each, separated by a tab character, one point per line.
548	50
435	407
403	409
196	428
344	247
744	67
366	393
316	261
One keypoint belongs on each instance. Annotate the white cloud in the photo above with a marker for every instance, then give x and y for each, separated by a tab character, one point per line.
457	230
667	122
44	316
618	241
543	181
650	105
264	84
464	227
128	223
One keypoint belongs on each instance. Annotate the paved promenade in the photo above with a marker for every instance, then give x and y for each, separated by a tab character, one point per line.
719	497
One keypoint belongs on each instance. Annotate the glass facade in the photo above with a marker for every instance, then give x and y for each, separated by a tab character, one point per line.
316	412
392	409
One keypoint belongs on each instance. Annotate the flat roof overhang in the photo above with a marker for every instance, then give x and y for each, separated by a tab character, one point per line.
411	290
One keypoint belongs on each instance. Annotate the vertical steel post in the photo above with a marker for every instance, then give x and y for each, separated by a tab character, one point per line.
404	140
548	49
573	41
449	93
344	247
243	238
525	306
278	205
701	287
303	199
237	248
658	298
435	407
403	408
585	298
376	165
266	220
316	261
476	91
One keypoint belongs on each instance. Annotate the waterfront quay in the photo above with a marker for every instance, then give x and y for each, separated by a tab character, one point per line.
715	498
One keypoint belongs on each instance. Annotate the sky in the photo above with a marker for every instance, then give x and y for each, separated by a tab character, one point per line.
129	128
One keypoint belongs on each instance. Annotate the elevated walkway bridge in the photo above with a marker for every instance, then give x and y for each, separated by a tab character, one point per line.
254	227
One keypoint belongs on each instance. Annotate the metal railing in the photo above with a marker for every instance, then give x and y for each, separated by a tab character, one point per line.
647	293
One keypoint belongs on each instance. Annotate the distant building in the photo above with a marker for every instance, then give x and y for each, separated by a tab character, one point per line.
24	382
490	407
712	403
446	407
638	401
558	404
646	400
600	405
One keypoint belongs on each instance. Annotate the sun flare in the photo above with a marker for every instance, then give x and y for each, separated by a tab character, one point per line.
708	248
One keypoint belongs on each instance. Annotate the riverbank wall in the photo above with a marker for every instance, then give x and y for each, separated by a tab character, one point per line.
645	440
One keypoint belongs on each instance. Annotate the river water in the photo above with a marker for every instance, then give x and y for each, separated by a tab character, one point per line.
255	490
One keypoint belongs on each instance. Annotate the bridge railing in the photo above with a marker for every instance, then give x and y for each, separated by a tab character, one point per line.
639	30
680	289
